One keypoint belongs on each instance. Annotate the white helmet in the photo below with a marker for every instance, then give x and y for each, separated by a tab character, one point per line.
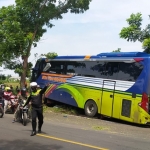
33	84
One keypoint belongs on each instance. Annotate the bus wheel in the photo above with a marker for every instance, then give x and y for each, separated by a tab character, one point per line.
50	103
90	108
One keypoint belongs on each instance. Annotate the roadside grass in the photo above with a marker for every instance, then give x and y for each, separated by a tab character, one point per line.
99	128
63	109
14	84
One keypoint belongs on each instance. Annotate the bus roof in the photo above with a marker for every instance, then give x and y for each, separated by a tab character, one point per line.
105	55
123	54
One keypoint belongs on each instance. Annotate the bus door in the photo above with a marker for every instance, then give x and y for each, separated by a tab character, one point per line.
107	97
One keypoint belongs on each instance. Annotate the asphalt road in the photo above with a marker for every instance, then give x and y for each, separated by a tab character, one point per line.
62	136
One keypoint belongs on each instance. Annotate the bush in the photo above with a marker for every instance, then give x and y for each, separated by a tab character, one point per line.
1	81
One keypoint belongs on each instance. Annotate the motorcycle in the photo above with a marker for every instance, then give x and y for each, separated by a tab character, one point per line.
12	104
1	109
24	114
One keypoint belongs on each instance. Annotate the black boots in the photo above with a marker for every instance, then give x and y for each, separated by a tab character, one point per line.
39	131
33	133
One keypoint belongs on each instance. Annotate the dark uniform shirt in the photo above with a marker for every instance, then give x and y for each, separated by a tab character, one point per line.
36	98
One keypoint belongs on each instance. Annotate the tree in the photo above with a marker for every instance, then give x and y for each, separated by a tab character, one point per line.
134	32
50	55
117	50
23	25
13	42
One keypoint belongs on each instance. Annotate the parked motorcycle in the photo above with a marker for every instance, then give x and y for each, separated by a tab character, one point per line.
23	113
1	109
12	104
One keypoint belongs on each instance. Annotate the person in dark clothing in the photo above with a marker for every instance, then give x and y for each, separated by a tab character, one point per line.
11	87
17	88
37	106
1	95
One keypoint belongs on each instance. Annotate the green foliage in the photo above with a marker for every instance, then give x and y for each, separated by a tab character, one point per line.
2	77
117	50
50	55
12	43
134	32
146	43
1	81
12	37
19	69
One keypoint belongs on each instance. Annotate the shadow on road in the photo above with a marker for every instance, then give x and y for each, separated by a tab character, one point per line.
26	145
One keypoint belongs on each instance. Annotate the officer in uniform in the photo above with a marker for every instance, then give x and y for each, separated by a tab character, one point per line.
37	106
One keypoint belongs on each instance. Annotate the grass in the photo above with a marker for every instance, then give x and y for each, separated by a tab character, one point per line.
65	109
99	128
14	84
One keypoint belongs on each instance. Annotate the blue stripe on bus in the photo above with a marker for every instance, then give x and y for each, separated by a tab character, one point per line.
62	96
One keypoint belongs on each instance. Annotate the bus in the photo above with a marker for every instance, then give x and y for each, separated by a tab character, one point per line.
115	85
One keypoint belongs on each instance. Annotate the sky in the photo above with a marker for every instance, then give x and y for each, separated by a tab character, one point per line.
93	32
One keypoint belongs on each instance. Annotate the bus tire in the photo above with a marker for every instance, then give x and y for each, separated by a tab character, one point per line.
90	108
50	103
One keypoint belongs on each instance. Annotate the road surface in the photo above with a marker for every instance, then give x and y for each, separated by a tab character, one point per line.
63	136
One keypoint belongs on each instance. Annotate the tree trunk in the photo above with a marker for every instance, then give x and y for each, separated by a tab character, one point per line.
25	62
24	71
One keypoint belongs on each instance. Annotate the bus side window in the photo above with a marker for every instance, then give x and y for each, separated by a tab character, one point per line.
63	69
74	68
129	71
57	67
112	69
70	70
98	69
60	69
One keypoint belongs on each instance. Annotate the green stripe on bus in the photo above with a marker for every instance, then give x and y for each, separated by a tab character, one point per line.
104	89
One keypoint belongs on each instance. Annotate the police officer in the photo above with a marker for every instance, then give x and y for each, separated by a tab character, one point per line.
37	106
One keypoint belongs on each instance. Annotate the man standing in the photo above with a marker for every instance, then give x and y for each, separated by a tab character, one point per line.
37	106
